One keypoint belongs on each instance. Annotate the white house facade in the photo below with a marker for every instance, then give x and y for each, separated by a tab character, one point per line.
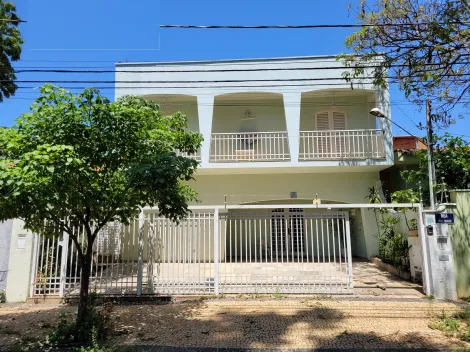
289	152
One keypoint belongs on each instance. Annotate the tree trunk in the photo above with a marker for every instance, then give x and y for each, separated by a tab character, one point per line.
84	286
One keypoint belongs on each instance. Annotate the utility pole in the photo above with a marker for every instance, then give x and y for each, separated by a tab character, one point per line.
431	168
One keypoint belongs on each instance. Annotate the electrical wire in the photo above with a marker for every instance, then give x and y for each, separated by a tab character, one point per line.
323	68
356	25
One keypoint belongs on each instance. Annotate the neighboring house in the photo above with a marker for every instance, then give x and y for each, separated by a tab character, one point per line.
404	149
5	239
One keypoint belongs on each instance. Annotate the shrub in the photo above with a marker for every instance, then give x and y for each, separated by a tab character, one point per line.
96	327
3	296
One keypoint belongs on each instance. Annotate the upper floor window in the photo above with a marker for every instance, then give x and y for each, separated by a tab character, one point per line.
330	120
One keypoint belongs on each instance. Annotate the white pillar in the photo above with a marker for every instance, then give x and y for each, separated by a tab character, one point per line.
383	103
292	109
216	251
140	259
63	262
21	259
205	108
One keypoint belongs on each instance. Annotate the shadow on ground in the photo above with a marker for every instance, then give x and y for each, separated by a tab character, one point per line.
251	324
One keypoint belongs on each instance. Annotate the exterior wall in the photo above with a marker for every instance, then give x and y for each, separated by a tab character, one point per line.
5	239
18	282
246	188
268	115
460	237
184	104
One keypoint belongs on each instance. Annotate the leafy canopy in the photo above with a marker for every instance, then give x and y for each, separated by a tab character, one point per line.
425	50
452	159
10	47
89	160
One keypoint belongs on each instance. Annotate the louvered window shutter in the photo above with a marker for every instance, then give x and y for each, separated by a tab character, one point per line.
324	140
340	143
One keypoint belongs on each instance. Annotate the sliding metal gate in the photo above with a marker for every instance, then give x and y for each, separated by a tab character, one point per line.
286	250
260	251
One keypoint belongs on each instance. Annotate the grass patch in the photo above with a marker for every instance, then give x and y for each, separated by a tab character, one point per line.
429	297
457	325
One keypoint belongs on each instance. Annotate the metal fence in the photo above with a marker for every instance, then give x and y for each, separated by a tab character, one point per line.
290	250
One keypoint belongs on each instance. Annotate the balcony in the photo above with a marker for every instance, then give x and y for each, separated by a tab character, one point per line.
345	144
249	147
313	146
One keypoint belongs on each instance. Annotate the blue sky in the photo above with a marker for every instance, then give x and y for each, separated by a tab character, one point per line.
97	33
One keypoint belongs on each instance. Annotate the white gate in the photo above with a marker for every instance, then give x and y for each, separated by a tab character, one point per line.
291	250
286	250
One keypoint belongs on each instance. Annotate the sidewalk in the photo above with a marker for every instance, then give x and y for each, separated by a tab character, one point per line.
257	322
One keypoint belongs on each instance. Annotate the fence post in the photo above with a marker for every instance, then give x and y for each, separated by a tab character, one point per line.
63	262
34	262
216	250
140	271
348	245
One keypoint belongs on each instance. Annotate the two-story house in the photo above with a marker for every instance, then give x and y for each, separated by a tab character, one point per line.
286	141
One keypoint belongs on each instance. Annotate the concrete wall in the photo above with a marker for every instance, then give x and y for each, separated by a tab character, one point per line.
460	237
21	253
268	115
5	239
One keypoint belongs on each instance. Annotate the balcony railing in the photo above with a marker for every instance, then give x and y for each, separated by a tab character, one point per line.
346	144
249	147
196	156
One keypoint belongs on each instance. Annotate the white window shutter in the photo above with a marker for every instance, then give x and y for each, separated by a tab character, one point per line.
339	124
339	120
323	121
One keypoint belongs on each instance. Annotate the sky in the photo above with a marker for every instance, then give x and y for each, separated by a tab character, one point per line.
95	34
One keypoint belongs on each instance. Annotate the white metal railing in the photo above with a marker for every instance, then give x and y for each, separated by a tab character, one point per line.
248	147
341	144
196	156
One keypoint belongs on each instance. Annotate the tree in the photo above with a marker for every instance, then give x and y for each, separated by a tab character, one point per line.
10	47
452	158
422	45
80	160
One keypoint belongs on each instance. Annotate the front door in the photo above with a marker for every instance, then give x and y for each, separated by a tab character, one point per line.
287	232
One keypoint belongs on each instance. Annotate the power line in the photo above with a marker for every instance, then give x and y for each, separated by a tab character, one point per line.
215	81
356	25
52	70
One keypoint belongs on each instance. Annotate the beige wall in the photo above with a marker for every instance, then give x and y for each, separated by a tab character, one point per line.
240	189
268	115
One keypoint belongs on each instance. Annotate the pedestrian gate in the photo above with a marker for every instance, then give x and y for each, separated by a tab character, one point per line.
290	250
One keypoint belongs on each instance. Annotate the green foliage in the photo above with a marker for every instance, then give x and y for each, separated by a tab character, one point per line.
3	296
95	328
393	245
83	158
457	325
452	158
426	60
10	47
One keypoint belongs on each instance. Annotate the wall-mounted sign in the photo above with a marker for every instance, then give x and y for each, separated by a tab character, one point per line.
430	219
445	218
21	241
